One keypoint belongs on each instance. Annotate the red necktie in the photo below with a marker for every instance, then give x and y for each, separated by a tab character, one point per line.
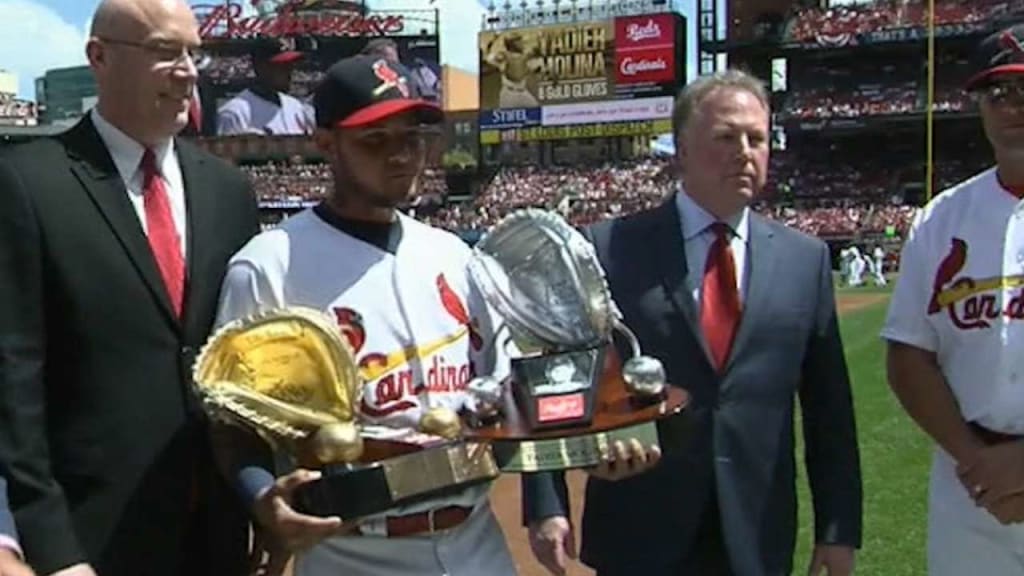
195	112
720	298
163	236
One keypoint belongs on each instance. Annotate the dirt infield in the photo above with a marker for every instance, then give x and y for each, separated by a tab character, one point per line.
846	303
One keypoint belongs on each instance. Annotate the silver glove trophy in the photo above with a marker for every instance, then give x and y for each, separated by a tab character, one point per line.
543	279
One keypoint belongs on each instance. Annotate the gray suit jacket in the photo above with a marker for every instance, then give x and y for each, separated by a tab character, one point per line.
6	519
741	446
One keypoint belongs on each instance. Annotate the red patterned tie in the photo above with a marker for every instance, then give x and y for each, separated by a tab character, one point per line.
195	112
163	236
720	299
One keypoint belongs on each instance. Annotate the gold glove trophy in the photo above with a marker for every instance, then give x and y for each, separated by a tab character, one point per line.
568	399
291	377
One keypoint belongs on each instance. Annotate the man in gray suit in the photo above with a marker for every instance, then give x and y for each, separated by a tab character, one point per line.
741	311
10	551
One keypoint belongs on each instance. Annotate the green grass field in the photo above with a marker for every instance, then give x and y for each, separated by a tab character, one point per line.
895	457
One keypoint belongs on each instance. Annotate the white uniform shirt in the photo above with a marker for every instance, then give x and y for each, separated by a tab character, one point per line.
248	113
127	155
959	294
405	314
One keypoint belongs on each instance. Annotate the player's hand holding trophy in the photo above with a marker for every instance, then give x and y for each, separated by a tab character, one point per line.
290	376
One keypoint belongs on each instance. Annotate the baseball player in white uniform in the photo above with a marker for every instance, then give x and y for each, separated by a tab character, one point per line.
266	107
400	292
956	331
879	266
856	277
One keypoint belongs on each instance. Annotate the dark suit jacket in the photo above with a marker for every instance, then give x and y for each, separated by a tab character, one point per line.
741	444
107	452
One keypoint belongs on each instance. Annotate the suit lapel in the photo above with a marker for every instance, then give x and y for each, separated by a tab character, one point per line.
200	226
94	167
675	268
760	265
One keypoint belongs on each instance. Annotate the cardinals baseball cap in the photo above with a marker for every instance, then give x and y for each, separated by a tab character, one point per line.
364	89
275	51
1001	54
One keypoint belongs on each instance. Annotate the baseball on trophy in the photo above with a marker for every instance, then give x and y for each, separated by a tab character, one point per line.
338	442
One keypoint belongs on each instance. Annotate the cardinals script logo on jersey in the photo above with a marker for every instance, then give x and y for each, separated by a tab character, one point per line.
973	303
396	381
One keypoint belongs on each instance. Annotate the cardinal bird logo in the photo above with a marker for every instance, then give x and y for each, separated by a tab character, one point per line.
1010	42
351	325
389	78
453	305
947	271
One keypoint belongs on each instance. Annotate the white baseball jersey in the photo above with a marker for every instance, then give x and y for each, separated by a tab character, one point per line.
419	333
959	295
248	113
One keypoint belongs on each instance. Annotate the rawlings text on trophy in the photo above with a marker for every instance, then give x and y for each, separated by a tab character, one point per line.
290	376
566	402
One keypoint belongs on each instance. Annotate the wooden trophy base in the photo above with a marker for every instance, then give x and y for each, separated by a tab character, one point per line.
617	415
420	473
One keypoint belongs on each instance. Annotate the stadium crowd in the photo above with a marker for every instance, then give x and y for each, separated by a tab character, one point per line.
873	87
811	24
820	197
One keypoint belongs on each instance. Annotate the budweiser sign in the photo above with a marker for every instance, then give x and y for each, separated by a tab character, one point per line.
631	67
226	21
640	32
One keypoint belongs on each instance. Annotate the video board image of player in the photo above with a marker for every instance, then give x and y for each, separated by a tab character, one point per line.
415	55
267	106
531	67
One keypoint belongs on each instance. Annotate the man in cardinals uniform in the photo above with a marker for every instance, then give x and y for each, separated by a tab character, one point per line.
399	290
955	333
266	107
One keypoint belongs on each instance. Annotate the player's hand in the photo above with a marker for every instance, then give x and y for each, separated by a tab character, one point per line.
1008	510
993	472
76	570
269	557
293	531
831	560
11	564
553	543
625	460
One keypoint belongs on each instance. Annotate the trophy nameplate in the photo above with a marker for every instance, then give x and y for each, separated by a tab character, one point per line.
289	376
567	400
618	415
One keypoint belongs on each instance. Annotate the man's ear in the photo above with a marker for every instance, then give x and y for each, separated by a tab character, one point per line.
324	140
680	156
95	53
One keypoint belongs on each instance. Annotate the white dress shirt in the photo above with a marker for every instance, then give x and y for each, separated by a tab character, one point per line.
127	155
698	238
